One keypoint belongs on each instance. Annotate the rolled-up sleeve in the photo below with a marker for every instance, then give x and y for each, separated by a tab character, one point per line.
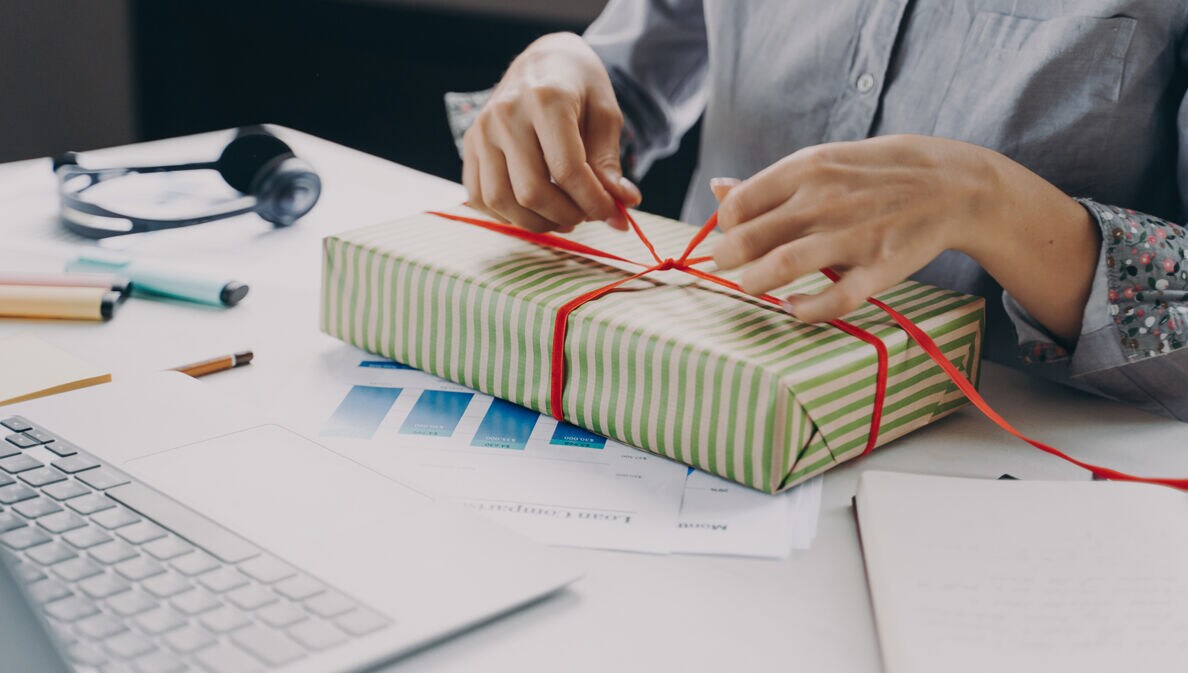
1133	345
656	54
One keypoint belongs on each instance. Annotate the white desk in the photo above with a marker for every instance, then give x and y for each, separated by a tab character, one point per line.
633	612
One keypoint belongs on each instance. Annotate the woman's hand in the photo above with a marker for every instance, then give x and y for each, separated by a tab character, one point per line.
544	152
876	211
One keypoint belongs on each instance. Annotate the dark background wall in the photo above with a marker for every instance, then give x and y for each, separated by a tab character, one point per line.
369	75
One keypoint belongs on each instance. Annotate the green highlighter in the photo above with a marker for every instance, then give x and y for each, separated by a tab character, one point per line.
163	279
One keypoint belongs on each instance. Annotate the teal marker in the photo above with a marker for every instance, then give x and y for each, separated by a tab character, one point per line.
163	279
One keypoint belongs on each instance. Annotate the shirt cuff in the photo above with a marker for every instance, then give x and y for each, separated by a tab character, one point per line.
1138	305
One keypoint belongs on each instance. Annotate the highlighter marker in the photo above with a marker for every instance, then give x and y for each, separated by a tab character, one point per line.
164	279
70	303
108	281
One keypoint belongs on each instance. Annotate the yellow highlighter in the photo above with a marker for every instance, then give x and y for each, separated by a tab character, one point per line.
67	303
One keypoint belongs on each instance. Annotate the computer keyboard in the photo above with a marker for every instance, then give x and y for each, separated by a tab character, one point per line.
132	580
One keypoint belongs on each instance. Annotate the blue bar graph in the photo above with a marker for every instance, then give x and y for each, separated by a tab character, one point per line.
436	413
506	426
383	364
572	435
360	413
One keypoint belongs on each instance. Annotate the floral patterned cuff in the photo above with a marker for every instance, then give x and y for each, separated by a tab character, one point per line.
462	109
1146	269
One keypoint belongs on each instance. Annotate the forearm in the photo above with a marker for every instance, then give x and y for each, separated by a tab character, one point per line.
1042	248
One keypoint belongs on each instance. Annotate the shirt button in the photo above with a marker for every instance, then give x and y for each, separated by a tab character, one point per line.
865	83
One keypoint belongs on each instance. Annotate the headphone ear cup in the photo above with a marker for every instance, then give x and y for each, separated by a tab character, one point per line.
286	191
253	151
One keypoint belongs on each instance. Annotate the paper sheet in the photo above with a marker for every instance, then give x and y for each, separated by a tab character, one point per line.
554	482
33	368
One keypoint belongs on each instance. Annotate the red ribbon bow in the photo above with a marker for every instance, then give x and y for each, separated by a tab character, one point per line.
685	264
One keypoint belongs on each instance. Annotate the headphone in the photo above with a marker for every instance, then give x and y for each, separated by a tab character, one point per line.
275	184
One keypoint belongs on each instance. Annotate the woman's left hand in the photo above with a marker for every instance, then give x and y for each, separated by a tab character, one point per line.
878	210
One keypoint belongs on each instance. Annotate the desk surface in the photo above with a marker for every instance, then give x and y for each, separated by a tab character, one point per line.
632	612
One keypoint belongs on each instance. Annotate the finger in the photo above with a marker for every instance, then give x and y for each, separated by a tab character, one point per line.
530	181
840	298
474	188
498	195
754	238
790	261
601	135
565	155
774	184
722	186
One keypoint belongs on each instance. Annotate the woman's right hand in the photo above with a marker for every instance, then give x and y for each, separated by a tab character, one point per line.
544	152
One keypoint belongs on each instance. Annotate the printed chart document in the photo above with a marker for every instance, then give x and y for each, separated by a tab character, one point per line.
991	576
554	482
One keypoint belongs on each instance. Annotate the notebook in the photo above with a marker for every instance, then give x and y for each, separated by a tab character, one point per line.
30	367
983	575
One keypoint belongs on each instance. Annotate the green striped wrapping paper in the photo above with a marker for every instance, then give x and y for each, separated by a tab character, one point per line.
673	365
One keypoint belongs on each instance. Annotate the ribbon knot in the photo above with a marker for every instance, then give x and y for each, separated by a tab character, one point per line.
669	264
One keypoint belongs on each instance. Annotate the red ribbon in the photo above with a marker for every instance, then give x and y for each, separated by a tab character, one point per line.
685	264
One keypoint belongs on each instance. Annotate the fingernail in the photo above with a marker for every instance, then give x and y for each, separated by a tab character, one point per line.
723	257
722	186
788	307
617	222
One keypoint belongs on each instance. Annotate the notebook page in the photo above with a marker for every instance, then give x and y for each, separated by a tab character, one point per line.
30	367
981	575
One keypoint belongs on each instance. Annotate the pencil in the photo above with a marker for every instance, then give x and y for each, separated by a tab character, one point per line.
218	364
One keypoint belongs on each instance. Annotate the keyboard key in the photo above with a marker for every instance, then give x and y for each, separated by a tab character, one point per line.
42	476
40	436
7	450
222	579
100	626
21	440
19	463
224	620
267	569
167	548
104	586
27	572
166	585
113	552
77	569
267	645
115	518
226	658
128	645
139	568
86	654
329	604
316	634
10	495
65	490
31	509
61	522
194	563
76	463
71	608
161	620
299	588
49	554
47	590
131	603
186	523
62	447
89	504
102	478
5	480
188	639
9	521
195	602
282	614
16	424
251	597
23	538
85	538
141	532
159	662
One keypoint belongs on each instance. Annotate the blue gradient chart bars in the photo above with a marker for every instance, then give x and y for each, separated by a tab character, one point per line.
572	435
360	413
436	413
505	426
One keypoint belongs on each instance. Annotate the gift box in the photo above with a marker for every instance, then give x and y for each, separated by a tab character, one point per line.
670	362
